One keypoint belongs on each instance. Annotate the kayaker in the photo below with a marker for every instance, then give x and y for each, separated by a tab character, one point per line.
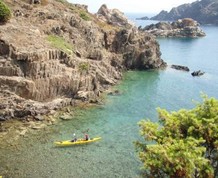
86	137
74	138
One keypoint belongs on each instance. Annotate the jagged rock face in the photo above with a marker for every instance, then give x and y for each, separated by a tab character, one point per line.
113	16
181	28
91	58
139	51
204	11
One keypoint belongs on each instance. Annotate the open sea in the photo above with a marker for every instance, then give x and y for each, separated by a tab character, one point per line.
116	121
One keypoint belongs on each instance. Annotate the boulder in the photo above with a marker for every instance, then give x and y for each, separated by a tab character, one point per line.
66	117
2	118
179	67
197	73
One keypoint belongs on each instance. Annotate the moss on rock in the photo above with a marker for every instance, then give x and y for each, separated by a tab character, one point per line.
5	12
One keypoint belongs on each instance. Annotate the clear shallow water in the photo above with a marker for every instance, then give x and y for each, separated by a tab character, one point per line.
116	121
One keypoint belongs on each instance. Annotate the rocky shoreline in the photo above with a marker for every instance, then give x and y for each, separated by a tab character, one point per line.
186	27
57	55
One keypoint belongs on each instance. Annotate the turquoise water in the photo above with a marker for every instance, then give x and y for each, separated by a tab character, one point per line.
116	120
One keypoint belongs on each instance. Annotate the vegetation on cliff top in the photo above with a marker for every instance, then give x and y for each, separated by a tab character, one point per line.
184	144
85	16
60	43
5	13
62	1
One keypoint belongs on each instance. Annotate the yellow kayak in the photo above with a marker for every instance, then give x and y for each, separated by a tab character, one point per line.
78	142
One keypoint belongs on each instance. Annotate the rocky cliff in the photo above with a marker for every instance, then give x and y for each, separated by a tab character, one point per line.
181	28
53	52
204	11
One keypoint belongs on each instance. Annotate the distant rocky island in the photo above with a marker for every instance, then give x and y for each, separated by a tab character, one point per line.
186	27
203	11
143	18
55	54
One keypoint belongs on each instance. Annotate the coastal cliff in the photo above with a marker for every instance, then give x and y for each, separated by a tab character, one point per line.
53	53
204	11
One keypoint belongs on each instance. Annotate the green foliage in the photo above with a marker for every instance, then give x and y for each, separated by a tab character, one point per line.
63	1
84	66
60	43
5	13
85	16
185	143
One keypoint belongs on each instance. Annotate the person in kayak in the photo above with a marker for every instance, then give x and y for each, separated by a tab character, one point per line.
86	137
74	138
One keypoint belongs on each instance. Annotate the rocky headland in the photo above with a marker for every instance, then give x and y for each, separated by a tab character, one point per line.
186	27
203	11
55	54
143	18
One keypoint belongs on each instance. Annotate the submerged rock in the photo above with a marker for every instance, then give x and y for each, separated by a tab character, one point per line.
115	93
66	117
179	67
197	73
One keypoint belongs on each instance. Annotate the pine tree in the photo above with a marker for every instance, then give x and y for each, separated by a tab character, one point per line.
183	144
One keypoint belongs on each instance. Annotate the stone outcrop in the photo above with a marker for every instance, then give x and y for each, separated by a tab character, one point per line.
204	11
181	28
55	54
113	16
179	67
197	73
185	68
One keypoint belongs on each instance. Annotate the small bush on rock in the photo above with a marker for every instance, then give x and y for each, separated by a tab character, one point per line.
5	13
85	16
60	43
84	66
62	1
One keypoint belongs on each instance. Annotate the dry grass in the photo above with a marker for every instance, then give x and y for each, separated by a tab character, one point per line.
44	2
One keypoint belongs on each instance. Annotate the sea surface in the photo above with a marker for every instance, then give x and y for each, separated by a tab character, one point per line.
116	120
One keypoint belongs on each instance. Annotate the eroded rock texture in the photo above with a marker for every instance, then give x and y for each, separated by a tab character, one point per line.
52	53
186	27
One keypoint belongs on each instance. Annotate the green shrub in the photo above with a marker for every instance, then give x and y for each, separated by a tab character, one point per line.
84	66
62	1
84	16
183	143
60	43
5	13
